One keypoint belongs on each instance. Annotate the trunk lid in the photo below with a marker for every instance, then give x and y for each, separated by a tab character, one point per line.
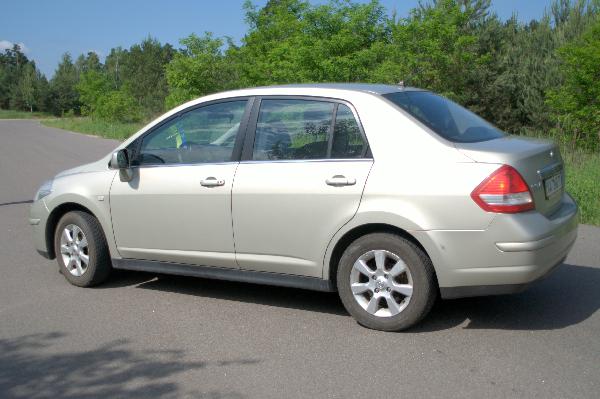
538	161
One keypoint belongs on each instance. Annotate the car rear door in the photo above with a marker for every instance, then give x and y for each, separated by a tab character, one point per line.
304	166
177	207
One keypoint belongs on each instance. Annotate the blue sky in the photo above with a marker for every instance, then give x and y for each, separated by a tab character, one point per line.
47	29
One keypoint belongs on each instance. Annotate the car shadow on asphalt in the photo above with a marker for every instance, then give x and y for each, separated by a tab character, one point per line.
38	366
567	297
292	298
16	203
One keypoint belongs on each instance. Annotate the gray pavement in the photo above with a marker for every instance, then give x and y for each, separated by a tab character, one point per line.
170	337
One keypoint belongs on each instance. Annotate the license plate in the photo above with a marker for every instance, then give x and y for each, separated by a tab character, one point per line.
553	184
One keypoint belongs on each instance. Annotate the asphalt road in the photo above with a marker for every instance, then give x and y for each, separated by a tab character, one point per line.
168	337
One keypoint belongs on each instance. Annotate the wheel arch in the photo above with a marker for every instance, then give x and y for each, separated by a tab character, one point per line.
358	231
57	213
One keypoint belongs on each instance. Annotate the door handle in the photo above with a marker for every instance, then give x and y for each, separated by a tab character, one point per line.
339	181
212	182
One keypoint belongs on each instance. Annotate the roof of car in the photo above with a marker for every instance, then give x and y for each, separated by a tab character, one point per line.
361	87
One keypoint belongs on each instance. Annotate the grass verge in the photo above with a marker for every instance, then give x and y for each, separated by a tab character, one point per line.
583	183
10	114
109	130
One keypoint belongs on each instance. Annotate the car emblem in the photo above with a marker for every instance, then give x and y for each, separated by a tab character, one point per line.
551	154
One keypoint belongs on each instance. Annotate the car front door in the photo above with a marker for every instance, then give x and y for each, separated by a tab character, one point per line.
177	207
301	178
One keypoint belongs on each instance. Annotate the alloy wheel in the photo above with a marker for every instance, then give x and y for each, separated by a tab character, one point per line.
74	250
381	283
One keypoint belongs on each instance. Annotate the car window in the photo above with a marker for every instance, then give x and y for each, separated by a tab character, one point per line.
202	135
445	117
348	141
292	129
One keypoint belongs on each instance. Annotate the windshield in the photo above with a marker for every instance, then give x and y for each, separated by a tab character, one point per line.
446	118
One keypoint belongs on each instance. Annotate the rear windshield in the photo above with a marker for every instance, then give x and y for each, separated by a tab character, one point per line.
445	117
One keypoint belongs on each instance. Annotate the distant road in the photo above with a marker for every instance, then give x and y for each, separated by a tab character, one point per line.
169	337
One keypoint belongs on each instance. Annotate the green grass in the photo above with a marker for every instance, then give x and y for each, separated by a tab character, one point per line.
97	127
10	114
583	183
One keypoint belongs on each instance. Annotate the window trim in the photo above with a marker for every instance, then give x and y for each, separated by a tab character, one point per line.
237	146
249	142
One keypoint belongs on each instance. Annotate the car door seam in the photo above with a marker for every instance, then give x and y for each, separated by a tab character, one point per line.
349	220
231	214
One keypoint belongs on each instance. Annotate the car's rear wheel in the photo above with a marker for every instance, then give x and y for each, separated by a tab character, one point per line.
81	249
386	282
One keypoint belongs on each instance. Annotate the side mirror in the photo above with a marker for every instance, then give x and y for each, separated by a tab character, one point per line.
120	160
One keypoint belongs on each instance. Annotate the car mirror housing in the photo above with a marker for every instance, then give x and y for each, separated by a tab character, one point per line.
120	160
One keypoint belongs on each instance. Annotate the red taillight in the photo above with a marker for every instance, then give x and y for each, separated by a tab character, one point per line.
504	191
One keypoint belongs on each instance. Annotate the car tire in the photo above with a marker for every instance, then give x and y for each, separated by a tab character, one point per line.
79	237
397	288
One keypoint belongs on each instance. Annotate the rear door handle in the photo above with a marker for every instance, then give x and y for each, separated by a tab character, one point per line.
339	181
212	182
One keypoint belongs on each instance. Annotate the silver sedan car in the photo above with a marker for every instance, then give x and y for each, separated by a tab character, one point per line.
391	196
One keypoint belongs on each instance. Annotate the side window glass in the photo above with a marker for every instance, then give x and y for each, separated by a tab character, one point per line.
292	129
348	142
202	135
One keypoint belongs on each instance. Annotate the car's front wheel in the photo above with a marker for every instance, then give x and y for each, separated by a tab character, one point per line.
386	282
81	249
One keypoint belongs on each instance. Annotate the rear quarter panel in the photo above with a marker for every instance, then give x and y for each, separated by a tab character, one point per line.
418	182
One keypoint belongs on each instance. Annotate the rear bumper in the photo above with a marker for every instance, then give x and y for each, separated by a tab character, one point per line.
486	290
515	250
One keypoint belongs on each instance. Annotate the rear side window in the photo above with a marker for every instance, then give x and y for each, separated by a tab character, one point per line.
305	129
446	118
292	129
348	141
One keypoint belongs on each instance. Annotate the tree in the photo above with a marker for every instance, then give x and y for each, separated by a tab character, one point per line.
22	85
42	92
272	49
521	65
89	62
576	103
64	96
199	68
435	48
143	74
12	64
292	41
117	106
92	86
113	66
25	90
342	41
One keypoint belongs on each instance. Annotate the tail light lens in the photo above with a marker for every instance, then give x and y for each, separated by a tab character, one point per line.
504	191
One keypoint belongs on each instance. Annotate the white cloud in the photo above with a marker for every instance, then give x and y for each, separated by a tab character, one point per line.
5	44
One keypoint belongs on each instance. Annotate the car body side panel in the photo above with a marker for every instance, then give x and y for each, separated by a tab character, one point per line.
422	185
514	249
89	189
284	213
165	214
38	219
461	258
